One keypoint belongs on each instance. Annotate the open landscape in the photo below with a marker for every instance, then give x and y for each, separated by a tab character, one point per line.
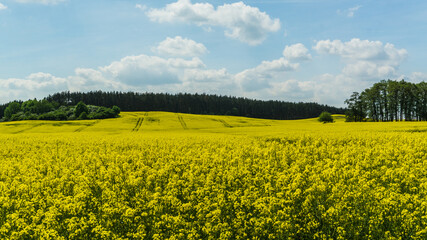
160	175
209	119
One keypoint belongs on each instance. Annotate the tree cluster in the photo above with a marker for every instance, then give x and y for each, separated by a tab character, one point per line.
196	104
325	117
389	101
51	110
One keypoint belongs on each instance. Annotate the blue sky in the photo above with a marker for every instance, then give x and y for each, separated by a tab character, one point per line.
291	50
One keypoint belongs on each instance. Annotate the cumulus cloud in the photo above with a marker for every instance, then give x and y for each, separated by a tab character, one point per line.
86	79
137	73
149	70
151	73
292	90
367	69
2	7
45	2
34	82
245	23
206	75
296	52
362	50
212	81
262	75
180	47
417	77
157	74
366	62
35	85
364	58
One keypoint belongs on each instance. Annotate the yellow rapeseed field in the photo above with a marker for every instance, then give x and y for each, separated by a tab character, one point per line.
160	175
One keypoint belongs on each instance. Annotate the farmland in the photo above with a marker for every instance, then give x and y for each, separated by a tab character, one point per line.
159	175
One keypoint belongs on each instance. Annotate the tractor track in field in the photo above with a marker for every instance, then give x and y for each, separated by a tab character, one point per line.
223	122
138	124
183	124
86	126
27	129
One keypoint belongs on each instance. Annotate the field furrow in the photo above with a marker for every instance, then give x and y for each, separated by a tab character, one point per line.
182	122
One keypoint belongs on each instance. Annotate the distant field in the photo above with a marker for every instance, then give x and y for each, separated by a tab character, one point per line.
158	175
164	123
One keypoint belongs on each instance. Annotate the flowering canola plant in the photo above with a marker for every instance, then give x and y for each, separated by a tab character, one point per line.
163	175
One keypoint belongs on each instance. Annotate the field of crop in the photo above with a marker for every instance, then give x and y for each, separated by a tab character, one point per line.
160	175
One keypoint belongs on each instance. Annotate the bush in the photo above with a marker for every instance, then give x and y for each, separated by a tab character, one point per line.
17	117
37	107
47	116
45	110
116	110
59	115
53	116
81	108
325	117
12	108
83	116
72	117
108	113
31	116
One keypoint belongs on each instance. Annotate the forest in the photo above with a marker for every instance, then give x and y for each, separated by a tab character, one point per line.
51	110
389	100
192	103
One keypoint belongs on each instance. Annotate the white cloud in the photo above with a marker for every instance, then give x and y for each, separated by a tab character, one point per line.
206	75
157	74
296	52
34	85
278	65
349	12
140	6
357	49
334	89
151	73
180	47
367	69
212	81
245	23
35	82
132	73
183	10
149	70
292	90
45	2
2	7
352	10
364	58
86	79
260	77
417	77
366	62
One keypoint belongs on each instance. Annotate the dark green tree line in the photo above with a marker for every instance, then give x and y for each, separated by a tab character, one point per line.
181	103
196	104
389	100
51	110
